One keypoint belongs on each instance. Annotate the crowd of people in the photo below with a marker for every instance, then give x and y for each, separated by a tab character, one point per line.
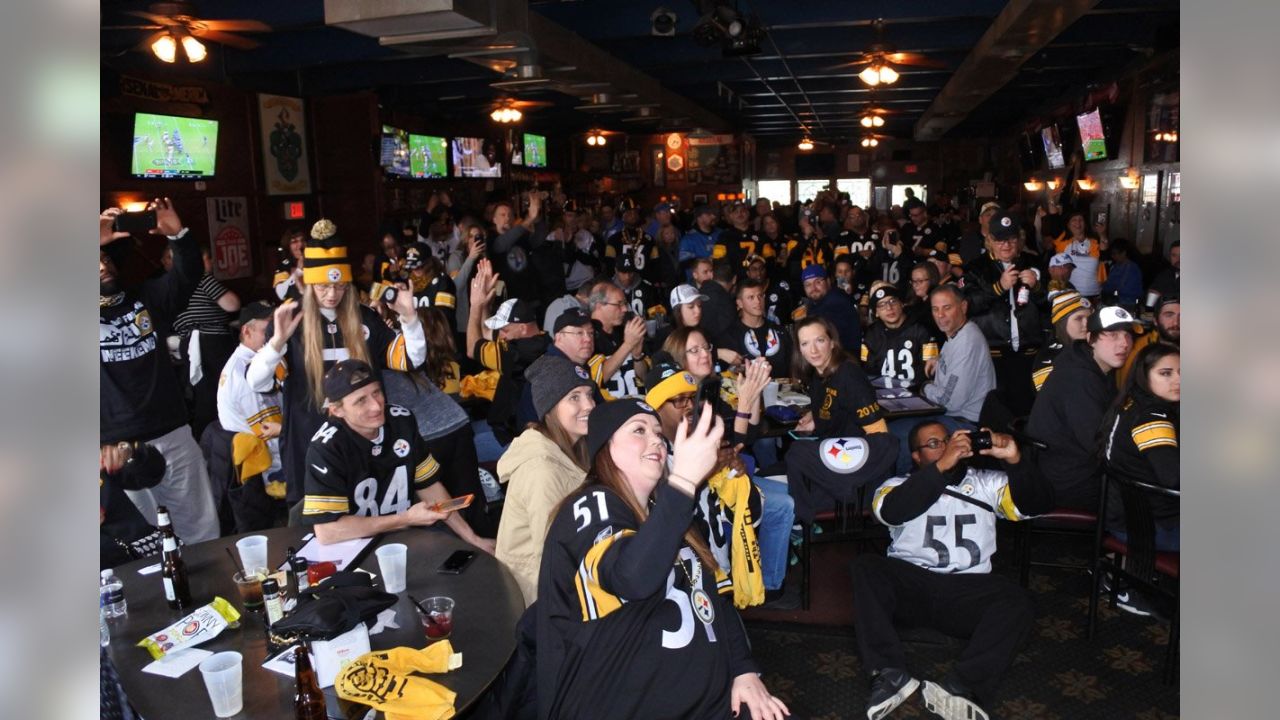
620	366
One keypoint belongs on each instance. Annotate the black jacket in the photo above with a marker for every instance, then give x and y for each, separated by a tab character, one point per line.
989	304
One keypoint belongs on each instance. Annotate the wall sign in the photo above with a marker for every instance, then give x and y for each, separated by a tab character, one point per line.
283	125
229	230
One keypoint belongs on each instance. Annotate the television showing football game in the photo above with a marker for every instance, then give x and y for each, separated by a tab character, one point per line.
1092	137
476	157
1052	147
169	147
395	151
535	150
427	156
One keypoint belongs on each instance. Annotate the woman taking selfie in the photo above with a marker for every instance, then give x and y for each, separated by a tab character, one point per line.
632	622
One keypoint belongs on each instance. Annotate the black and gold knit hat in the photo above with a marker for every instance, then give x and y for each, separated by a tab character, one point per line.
324	261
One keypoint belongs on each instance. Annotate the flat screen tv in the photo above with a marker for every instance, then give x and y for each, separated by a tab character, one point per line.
476	157
1052	147
427	156
1092	137
174	148
395	151
535	150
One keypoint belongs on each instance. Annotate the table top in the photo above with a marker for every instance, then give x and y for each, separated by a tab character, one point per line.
488	605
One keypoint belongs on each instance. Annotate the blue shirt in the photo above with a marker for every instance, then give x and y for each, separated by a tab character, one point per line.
1125	280
697	244
838	308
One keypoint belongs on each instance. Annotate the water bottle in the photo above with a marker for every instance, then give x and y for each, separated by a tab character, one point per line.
104	633
111	595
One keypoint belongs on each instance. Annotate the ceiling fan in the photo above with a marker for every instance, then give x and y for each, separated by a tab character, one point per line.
175	23
880	58
510	110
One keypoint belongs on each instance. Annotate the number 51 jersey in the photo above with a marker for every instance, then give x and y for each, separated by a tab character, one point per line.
957	534
349	475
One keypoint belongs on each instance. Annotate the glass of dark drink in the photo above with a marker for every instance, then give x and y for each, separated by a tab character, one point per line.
437	617
250	588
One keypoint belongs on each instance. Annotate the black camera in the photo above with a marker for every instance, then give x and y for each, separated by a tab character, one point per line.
135	223
389	294
980	440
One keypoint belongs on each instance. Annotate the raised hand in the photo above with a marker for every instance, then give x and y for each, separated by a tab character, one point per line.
107	233
286	319
696	448
167	220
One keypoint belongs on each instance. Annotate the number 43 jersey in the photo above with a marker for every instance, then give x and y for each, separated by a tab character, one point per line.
957	534
350	475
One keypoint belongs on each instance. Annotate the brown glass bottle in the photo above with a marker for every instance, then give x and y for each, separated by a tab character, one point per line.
308	702
177	589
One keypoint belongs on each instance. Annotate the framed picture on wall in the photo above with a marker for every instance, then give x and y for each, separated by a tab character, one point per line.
699	199
658	161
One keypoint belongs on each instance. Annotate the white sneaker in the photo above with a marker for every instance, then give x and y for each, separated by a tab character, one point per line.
945	705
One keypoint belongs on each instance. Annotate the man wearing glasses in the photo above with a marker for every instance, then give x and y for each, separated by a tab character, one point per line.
1005	299
619	341
896	348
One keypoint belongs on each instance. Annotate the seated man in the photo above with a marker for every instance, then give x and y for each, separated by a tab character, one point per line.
942	524
358	464
836	307
896	347
754	335
618	363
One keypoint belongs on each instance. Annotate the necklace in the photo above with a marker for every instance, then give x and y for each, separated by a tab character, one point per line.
110	300
698	597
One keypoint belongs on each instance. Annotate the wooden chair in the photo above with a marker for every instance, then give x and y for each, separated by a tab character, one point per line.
1136	562
850	522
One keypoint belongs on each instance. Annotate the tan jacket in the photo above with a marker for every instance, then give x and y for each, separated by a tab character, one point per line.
538	476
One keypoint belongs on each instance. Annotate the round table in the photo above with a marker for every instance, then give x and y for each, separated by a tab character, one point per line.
488	605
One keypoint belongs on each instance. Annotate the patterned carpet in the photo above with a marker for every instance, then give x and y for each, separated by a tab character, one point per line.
1059	674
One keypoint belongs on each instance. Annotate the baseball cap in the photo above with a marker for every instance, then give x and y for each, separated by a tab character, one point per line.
1113	318
626	262
955	259
813	271
989	206
1168	300
346	377
752	259
1003	226
607	417
703	210
882	292
1062	259
1065	303
626	204
940	255
685	294
662	207
667	380
514	310
571	317
415	256
260	310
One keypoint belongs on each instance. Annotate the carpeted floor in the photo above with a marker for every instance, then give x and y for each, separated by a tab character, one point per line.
810	658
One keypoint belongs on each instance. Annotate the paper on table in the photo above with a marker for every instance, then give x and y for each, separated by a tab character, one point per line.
150	569
282	663
177	664
340	554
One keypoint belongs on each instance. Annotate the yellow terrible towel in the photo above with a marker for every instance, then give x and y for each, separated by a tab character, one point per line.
384	681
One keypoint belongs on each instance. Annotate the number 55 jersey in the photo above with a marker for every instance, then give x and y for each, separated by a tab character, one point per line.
348	474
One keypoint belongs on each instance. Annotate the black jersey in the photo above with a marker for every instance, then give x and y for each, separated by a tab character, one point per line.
350	475
896	357
645	301
635	242
626	382
630	622
801	253
929	237
440	293
1043	365
843	403
1142	446
735	245
768	341
852	242
778	302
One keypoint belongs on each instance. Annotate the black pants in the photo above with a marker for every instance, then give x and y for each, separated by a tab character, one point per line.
992	612
460	475
1013	377
816	487
202	397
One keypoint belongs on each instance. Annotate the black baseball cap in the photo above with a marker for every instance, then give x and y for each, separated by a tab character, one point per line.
626	262
347	377
259	310
572	317
1003	225
415	256
884	291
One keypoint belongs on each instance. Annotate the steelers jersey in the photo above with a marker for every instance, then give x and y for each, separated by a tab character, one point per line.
957	534
1043	365
439	292
626	381
768	341
635	242
645	301
895	357
735	245
620	632
778	302
843	403
930	237
347	474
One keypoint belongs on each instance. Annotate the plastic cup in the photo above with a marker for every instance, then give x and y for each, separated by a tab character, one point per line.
224	681
253	553
437	620
250	588
392	559
770	393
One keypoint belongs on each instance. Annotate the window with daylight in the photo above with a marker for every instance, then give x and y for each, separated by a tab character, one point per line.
859	190
807	190
778	191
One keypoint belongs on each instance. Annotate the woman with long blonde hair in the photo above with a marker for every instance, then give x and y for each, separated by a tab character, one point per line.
329	325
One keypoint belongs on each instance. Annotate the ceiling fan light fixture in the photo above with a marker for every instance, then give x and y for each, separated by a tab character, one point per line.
194	49
877	121
866	121
165	48
870	75
888	75
806	144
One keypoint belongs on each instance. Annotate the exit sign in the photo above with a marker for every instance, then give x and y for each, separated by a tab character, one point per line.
296	210
911	169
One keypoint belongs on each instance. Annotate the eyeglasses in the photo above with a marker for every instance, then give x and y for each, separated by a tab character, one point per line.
1005	241
573	333
921	281
893	302
681	401
933	444
620	303
697	350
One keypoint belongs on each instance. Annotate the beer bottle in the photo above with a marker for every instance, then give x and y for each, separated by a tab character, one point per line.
308	702
177	590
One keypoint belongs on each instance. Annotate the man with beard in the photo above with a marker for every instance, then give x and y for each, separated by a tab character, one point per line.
1168	316
140	399
700	241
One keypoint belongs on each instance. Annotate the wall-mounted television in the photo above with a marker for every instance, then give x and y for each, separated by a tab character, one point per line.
428	156
395	151
1093	139
1052	146
174	148
535	150
476	157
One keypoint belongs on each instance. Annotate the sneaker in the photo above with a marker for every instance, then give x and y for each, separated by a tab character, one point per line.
951	703
1128	600
889	689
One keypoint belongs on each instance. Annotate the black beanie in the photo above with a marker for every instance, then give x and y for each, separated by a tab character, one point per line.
607	417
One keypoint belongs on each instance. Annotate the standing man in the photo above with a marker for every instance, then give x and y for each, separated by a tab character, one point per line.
242	410
739	240
700	241
718	309
141	400
836	307
923	236
512	248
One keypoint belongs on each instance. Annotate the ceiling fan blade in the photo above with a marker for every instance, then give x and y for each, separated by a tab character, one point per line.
235	25
133	27
152	17
229	40
905	58
862	59
522	104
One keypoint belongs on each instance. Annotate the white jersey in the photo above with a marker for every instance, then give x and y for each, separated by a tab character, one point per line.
957	534
241	409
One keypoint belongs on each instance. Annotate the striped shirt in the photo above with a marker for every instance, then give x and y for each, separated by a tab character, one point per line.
203	312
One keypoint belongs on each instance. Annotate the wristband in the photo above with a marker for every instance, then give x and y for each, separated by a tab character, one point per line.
743	415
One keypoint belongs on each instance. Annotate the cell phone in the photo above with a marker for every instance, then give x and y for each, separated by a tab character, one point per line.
389	294
457	562
454	505
1101	219
794	435
708	392
139	223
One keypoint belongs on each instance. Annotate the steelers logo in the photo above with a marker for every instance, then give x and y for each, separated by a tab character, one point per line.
1006	221
689	378
401	447
580	372
143	321
517	260
907	344
843	455
365	330
928	231
645	406
334	275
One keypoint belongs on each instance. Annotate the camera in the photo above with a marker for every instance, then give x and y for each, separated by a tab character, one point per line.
980	440
389	294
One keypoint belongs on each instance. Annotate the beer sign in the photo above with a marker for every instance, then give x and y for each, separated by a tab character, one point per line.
229	237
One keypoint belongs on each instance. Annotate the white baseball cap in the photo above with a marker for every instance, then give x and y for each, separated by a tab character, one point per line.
1061	260
685	294
1113	318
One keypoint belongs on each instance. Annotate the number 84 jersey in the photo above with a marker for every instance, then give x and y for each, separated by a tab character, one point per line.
347	474
957	534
